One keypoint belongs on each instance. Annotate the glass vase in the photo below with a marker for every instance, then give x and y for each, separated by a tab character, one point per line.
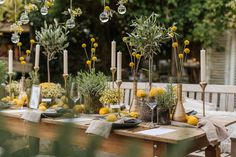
92	104
163	116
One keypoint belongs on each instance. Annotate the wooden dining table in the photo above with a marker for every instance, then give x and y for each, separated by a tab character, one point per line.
151	145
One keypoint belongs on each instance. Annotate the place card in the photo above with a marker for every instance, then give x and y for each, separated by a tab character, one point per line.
156	131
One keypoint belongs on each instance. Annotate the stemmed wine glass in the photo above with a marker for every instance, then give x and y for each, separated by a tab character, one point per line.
152	104
74	92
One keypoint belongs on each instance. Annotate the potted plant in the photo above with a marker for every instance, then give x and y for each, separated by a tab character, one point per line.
144	42
54	40
165	99
91	86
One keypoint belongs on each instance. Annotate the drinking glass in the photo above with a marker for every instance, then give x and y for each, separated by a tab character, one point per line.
74	92
152	104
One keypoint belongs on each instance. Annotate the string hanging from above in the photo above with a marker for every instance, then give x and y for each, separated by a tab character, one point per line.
16	27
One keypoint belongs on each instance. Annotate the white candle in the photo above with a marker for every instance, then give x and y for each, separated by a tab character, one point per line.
119	66
10	61
65	61
203	65
37	55
113	54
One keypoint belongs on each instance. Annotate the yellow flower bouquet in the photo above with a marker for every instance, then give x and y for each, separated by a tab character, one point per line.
51	90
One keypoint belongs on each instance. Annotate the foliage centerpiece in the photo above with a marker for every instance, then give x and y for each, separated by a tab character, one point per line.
54	40
91	86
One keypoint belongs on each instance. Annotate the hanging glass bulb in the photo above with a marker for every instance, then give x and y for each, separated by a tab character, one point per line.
70	23
15	38
44	10
121	9
1	2
104	17
24	18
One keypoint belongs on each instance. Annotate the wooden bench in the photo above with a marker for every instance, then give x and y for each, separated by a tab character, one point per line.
223	97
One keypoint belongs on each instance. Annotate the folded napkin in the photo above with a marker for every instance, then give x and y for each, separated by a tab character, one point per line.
100	128
32	116
215	132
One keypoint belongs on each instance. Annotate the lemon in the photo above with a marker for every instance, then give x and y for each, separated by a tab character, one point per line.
42	108
54	106
43	104
111	118
103	111
24	98
160	91
78	109
20	103
192	120
141	93
65	106
134	114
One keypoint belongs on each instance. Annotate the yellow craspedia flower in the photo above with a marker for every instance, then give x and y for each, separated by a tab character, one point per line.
175	44
134	114
174	28
95	45
186	42
48	4
21	58
19	44
88	62
171	35
160	90
107	8
186	50
131	64
181	56
141	93
23	62
84	45
134	54
94	58
28	52
93	50
124	39
32	41
20	30
92	40
138	56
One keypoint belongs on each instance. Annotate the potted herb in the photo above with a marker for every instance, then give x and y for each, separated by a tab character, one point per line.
91	86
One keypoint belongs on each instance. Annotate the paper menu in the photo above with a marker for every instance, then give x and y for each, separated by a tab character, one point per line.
156	131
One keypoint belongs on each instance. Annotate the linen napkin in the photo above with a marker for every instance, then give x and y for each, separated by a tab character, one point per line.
32	116
100	128
215	132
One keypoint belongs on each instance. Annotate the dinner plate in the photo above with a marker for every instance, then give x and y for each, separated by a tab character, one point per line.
51	114
127	124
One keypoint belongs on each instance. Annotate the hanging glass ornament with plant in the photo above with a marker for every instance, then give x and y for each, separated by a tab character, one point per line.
24	18
16	28
106	15
46	6
121	8
70	23
30	7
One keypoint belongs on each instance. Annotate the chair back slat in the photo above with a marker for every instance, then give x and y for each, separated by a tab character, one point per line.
230	106
223	101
